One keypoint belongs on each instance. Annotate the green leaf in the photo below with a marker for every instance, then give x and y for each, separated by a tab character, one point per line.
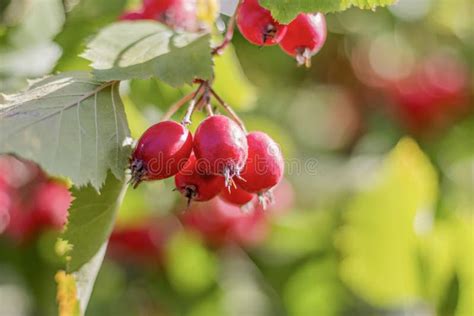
383	226
140	50
91	220
70	124
286	10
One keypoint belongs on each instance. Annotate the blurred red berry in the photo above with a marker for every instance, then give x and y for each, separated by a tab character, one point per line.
132	16
434	94
221	223
178	14
141	243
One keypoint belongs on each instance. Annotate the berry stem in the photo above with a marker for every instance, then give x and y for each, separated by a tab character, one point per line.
209	109
192	105
229	110
176	106
229	32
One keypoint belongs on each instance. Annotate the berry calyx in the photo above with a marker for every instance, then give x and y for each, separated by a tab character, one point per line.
264	167
161	152
257	24
221	147
236	195
305	36
195	184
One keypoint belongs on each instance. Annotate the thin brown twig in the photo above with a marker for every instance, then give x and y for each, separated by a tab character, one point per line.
229	32
229	110
176	106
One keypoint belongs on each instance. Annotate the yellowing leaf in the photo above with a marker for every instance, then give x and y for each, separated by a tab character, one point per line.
67	294
379	238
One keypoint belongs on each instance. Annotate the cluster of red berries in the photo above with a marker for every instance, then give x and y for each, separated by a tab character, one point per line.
302	38
177	14
30	202
219	159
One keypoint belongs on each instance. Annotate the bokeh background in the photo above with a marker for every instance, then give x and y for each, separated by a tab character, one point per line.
375	216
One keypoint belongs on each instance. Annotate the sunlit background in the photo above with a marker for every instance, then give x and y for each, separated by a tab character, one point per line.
380	222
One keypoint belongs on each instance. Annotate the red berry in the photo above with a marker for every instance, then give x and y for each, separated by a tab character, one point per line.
161	152
142	243
432	96
236	195
264	167
4	208
51	204
305	36
221	147
178	14
221	223
193	182
257	24
132	16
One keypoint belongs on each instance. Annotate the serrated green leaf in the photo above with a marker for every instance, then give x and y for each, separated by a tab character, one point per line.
91	220
286	10
69	124
140	50
382	227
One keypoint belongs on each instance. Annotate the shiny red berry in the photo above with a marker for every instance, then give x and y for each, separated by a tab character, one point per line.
264	167
195	184
236	195
221	147
178	14
305	36
161	152
257	24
